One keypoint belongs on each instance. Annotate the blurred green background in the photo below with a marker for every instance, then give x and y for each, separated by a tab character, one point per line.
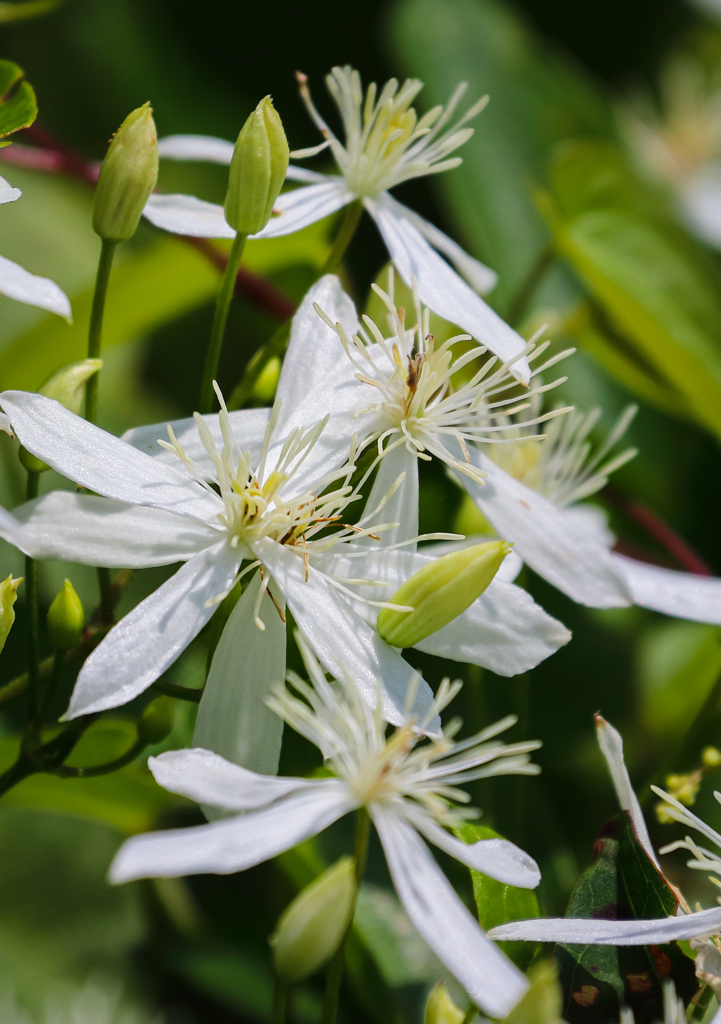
197	949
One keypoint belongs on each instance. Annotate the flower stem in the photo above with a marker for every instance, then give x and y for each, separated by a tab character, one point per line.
337	964
280	1001
520	302
68	772
470	1013
348	225
107	251
222	305
190	693
31	610
51	686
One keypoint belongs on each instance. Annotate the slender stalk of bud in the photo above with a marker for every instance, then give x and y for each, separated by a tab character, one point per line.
32	624
257	173
440	592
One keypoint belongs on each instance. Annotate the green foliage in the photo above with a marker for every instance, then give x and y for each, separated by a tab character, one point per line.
18	106
10	12
597	981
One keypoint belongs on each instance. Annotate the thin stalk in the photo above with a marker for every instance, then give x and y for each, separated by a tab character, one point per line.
337	964
95	333
50	689
520	302
222	305
31	609
190	693
470	1013
68	772
351	216
701	1004
280	1001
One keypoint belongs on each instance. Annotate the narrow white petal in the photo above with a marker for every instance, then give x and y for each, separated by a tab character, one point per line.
8	194
233	844
208	778
583	931
340	639
401	507
18	283
150	637
247	427
497	858
440	287
489	978
611	744
187	215
557	546
680	594
100	531
700	196
95	459
503	630
303	206
481	278
196	147
233	718
295	173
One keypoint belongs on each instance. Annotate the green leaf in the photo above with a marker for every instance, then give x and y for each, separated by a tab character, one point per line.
18	107
498	903
31	9
622	884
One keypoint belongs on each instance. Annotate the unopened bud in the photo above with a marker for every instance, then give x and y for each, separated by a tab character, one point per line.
66	618
127	177
257	170
311	929
156	722
31	462
67	385
267	383
8	594
711	757
440	1008
440	592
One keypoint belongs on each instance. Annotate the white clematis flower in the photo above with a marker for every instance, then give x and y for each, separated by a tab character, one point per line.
18	283
385	144
409	789
248	487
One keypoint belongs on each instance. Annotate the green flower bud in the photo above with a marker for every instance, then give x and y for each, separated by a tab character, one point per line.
8	594
257	170
31	462
311	928
127	177
156	722
440	1008
66	618
440	592
265	387
67	385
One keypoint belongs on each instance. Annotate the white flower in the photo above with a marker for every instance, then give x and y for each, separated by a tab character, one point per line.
385	144
18	283
409	788
266	489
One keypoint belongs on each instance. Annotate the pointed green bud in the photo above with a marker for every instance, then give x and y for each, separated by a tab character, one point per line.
440	592
127	177
311	928
156	722
257	170
66	619
440	1008
543	1002
8	594
67	385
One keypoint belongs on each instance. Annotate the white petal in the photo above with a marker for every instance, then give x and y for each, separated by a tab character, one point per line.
557	546
233	718
150	637
187	215
497	858
18	283
700	196
680	594
102	463
583	931
295	173
481	278
8	194
303	206
503	630
441	289
196	147
489	978
611	744
247	427
5	424
209	779
99	531
340	639
401	507
233	844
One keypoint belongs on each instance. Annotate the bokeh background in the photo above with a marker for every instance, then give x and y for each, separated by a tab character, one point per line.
555	70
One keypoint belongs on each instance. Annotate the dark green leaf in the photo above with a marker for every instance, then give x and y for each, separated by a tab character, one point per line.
18	108
621	884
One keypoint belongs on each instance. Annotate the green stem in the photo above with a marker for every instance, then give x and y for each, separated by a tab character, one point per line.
105	262
521	300
222	305
68	772
337	964
280	1001
107	599
47	757
50	689
180	692
31	607
470	1013
348	225
700	1006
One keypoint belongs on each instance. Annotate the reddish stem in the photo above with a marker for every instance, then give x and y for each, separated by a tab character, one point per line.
53	156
